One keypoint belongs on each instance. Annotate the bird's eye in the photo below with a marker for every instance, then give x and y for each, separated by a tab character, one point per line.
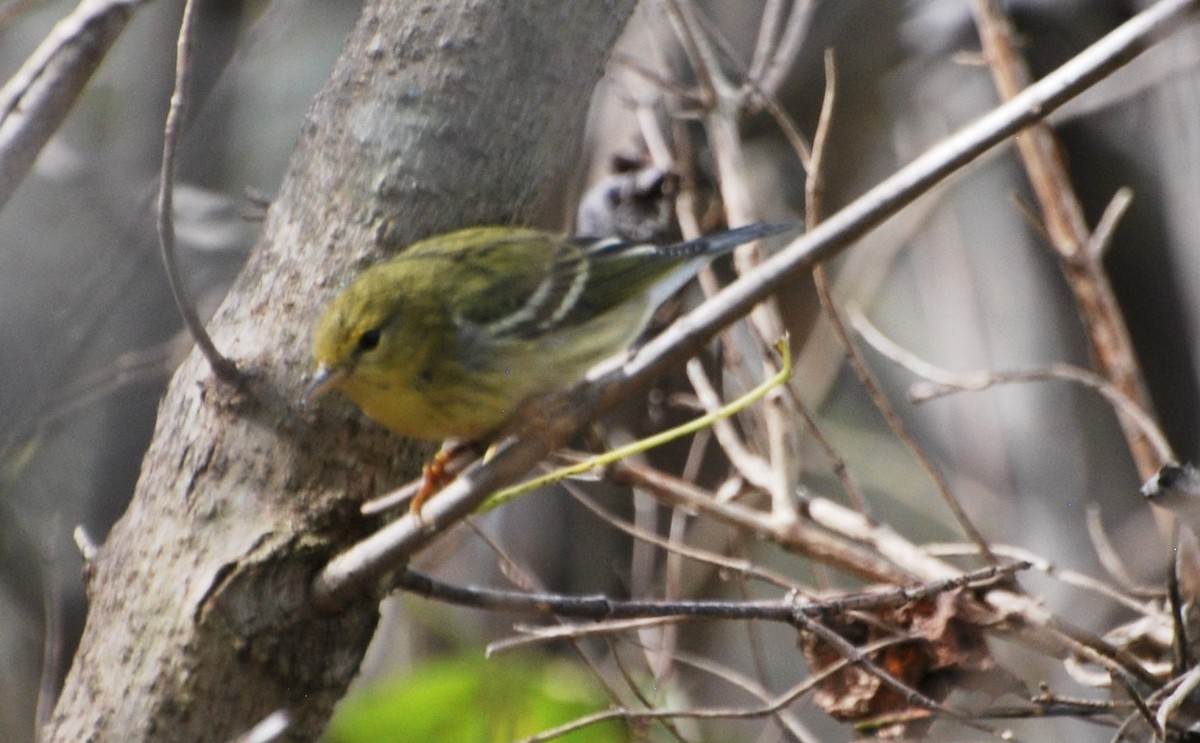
369	340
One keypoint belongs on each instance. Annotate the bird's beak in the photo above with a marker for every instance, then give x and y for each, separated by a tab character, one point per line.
325	379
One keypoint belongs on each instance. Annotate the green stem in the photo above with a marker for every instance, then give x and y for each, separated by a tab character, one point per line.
641	445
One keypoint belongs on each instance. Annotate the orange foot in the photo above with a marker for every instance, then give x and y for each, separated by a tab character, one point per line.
434	475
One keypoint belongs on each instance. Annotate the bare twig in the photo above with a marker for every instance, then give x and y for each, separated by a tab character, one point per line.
748	464
461	457
598	607
1041	564
771	64
770	708
36	100
53	635
811	158
536	635
1140	705
660	643
944	382
757	689
837	464
835	538
529	582
222	367
1176	699
1110	560
768	30
745	568
1055	706
635	65
1108	338
721	120
814	188
1181	651
1138	419
814	181
1102	236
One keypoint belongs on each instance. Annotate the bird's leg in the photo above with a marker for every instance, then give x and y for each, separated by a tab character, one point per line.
434	476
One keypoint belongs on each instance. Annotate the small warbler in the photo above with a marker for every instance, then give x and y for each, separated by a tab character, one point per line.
448	338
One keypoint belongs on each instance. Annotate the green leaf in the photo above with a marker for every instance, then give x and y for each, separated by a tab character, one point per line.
469	699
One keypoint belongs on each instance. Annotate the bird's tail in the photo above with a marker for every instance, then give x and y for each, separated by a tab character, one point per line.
694	254
719	242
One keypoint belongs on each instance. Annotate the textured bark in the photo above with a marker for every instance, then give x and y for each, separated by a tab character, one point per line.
438	113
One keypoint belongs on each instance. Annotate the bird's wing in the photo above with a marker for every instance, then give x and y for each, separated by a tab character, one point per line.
505	283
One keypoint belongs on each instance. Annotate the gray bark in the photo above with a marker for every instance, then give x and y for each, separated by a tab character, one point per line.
438	114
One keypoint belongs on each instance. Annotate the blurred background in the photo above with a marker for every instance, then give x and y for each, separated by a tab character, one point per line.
964	278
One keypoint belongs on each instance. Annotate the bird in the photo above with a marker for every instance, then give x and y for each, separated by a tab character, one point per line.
448	338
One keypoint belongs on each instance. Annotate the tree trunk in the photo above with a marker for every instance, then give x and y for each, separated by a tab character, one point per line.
438	114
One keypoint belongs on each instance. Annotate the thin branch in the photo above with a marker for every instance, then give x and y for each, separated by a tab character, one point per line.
771	708
1122	405
748	464
814	182
1108	338
53	636
222	367
756	644
943	382
812	159
631	683
814	188
460	457
769	76
536	635
1101	237
37	99
660	654
1047	706
1176	700
768	30
527	582
753	93
1111	560
1041	564
658	80
1181	651
837	464
784	719
599	607
721	122
553	420
835	548
1140	705
1119	662
744	568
